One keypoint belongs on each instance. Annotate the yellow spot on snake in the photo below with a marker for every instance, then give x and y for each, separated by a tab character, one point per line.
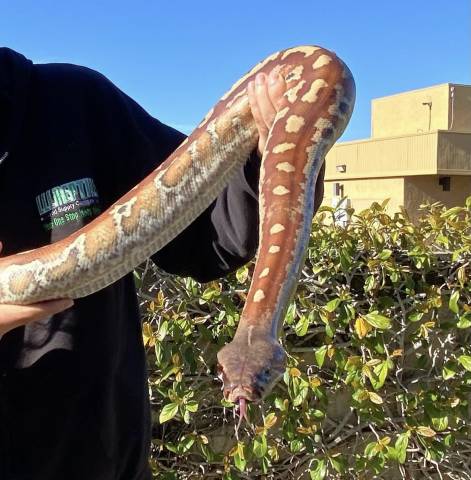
249	335
282	113
20	280
283	147
285	167
260	65
321	61
264	273
177	169
236	97
237	84
295	74
311	95
123	209
280	190
294	123
259	295
274	249
292	93
277	228
308	51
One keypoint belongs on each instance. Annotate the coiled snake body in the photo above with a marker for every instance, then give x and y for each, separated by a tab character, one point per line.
315	110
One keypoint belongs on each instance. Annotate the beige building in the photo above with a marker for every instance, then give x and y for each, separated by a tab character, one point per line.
419	152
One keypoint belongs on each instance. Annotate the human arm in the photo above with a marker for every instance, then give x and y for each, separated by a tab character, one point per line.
12	316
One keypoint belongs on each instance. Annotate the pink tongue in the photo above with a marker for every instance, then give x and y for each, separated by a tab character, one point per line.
242	410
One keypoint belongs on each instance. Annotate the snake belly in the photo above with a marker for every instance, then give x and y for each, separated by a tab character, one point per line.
315	110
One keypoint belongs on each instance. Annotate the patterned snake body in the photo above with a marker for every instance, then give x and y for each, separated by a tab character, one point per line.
316	108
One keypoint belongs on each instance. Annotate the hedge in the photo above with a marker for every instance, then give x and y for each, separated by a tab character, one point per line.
379	371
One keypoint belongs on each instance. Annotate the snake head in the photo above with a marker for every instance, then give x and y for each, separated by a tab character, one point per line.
249	366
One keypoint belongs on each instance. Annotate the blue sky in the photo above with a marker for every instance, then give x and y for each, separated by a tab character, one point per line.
177	58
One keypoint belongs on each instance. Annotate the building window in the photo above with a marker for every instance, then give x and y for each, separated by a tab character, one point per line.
445	183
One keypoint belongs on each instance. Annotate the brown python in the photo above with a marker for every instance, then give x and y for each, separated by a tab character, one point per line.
315	110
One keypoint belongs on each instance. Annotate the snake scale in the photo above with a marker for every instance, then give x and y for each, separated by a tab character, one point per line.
314	112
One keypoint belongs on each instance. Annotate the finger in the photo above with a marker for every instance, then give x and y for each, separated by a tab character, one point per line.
22	314
259	122
49	307
276	88
1	246
265	105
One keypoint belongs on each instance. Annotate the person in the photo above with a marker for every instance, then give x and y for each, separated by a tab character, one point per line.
73	382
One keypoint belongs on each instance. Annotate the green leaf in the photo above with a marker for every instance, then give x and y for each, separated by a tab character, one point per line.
401	444
452	212
260	446
375	398
369	283
464	321
371	450
239	457
320	355
378	321
185	444
440	421
240	463
242	274
332	305
192	406
320	471
162	332
345	259
381	372
385	254
465	360
415	317
301	396
392	453
449	370
168	412
295	445
453	303
329	330
425	431
338	464
301	326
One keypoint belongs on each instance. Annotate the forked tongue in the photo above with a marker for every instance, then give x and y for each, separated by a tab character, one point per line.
241	409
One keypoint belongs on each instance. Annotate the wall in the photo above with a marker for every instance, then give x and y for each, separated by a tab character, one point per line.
405	113
426	189
460	108
454	153
386	157
365	191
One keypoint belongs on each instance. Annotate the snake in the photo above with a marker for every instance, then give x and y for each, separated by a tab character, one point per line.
312	114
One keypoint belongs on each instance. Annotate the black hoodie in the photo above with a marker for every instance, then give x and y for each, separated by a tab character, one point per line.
73	391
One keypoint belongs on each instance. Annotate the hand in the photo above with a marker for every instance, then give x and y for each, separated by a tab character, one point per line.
12	316
265	95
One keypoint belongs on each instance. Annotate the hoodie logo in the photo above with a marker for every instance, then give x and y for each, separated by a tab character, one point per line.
70	204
